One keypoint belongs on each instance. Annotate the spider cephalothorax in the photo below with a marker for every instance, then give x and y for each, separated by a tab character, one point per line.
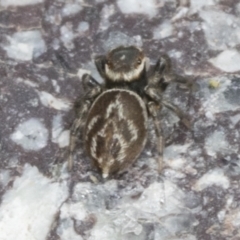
124	64
112	118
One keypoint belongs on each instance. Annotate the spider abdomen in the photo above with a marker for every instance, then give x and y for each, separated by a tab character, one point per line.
116	130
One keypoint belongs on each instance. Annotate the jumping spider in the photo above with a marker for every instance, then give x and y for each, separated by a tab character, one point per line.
114	116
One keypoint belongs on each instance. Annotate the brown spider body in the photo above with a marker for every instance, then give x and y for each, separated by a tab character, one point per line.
112	118
116	130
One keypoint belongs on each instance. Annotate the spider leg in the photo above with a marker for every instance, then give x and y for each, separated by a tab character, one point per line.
91	87
184	83
77	127
82	107
153	109
89	82
100	65
178	112
156	95
163	75
163	69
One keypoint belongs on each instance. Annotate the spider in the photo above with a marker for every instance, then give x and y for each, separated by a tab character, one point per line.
112	118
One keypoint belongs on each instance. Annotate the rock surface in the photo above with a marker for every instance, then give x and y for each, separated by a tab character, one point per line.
45	47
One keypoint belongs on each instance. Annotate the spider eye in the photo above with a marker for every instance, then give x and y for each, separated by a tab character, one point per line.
139	61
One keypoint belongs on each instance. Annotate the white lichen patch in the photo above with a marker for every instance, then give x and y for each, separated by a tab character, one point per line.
6	3
25	45
4	177
227	61
159	202
209	115
149	8
27	82
182	12
175	54
221	29
213	177
68	212
59	136
174	156
55	85
117	39
71	9
235	119
56	127
217	142
28	210
31	135
197	5
83	27
164	30
66	230
106	13
67	35
48	100
76	210
64	138
215	101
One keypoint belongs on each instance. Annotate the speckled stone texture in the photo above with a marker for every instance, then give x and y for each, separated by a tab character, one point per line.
45	48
